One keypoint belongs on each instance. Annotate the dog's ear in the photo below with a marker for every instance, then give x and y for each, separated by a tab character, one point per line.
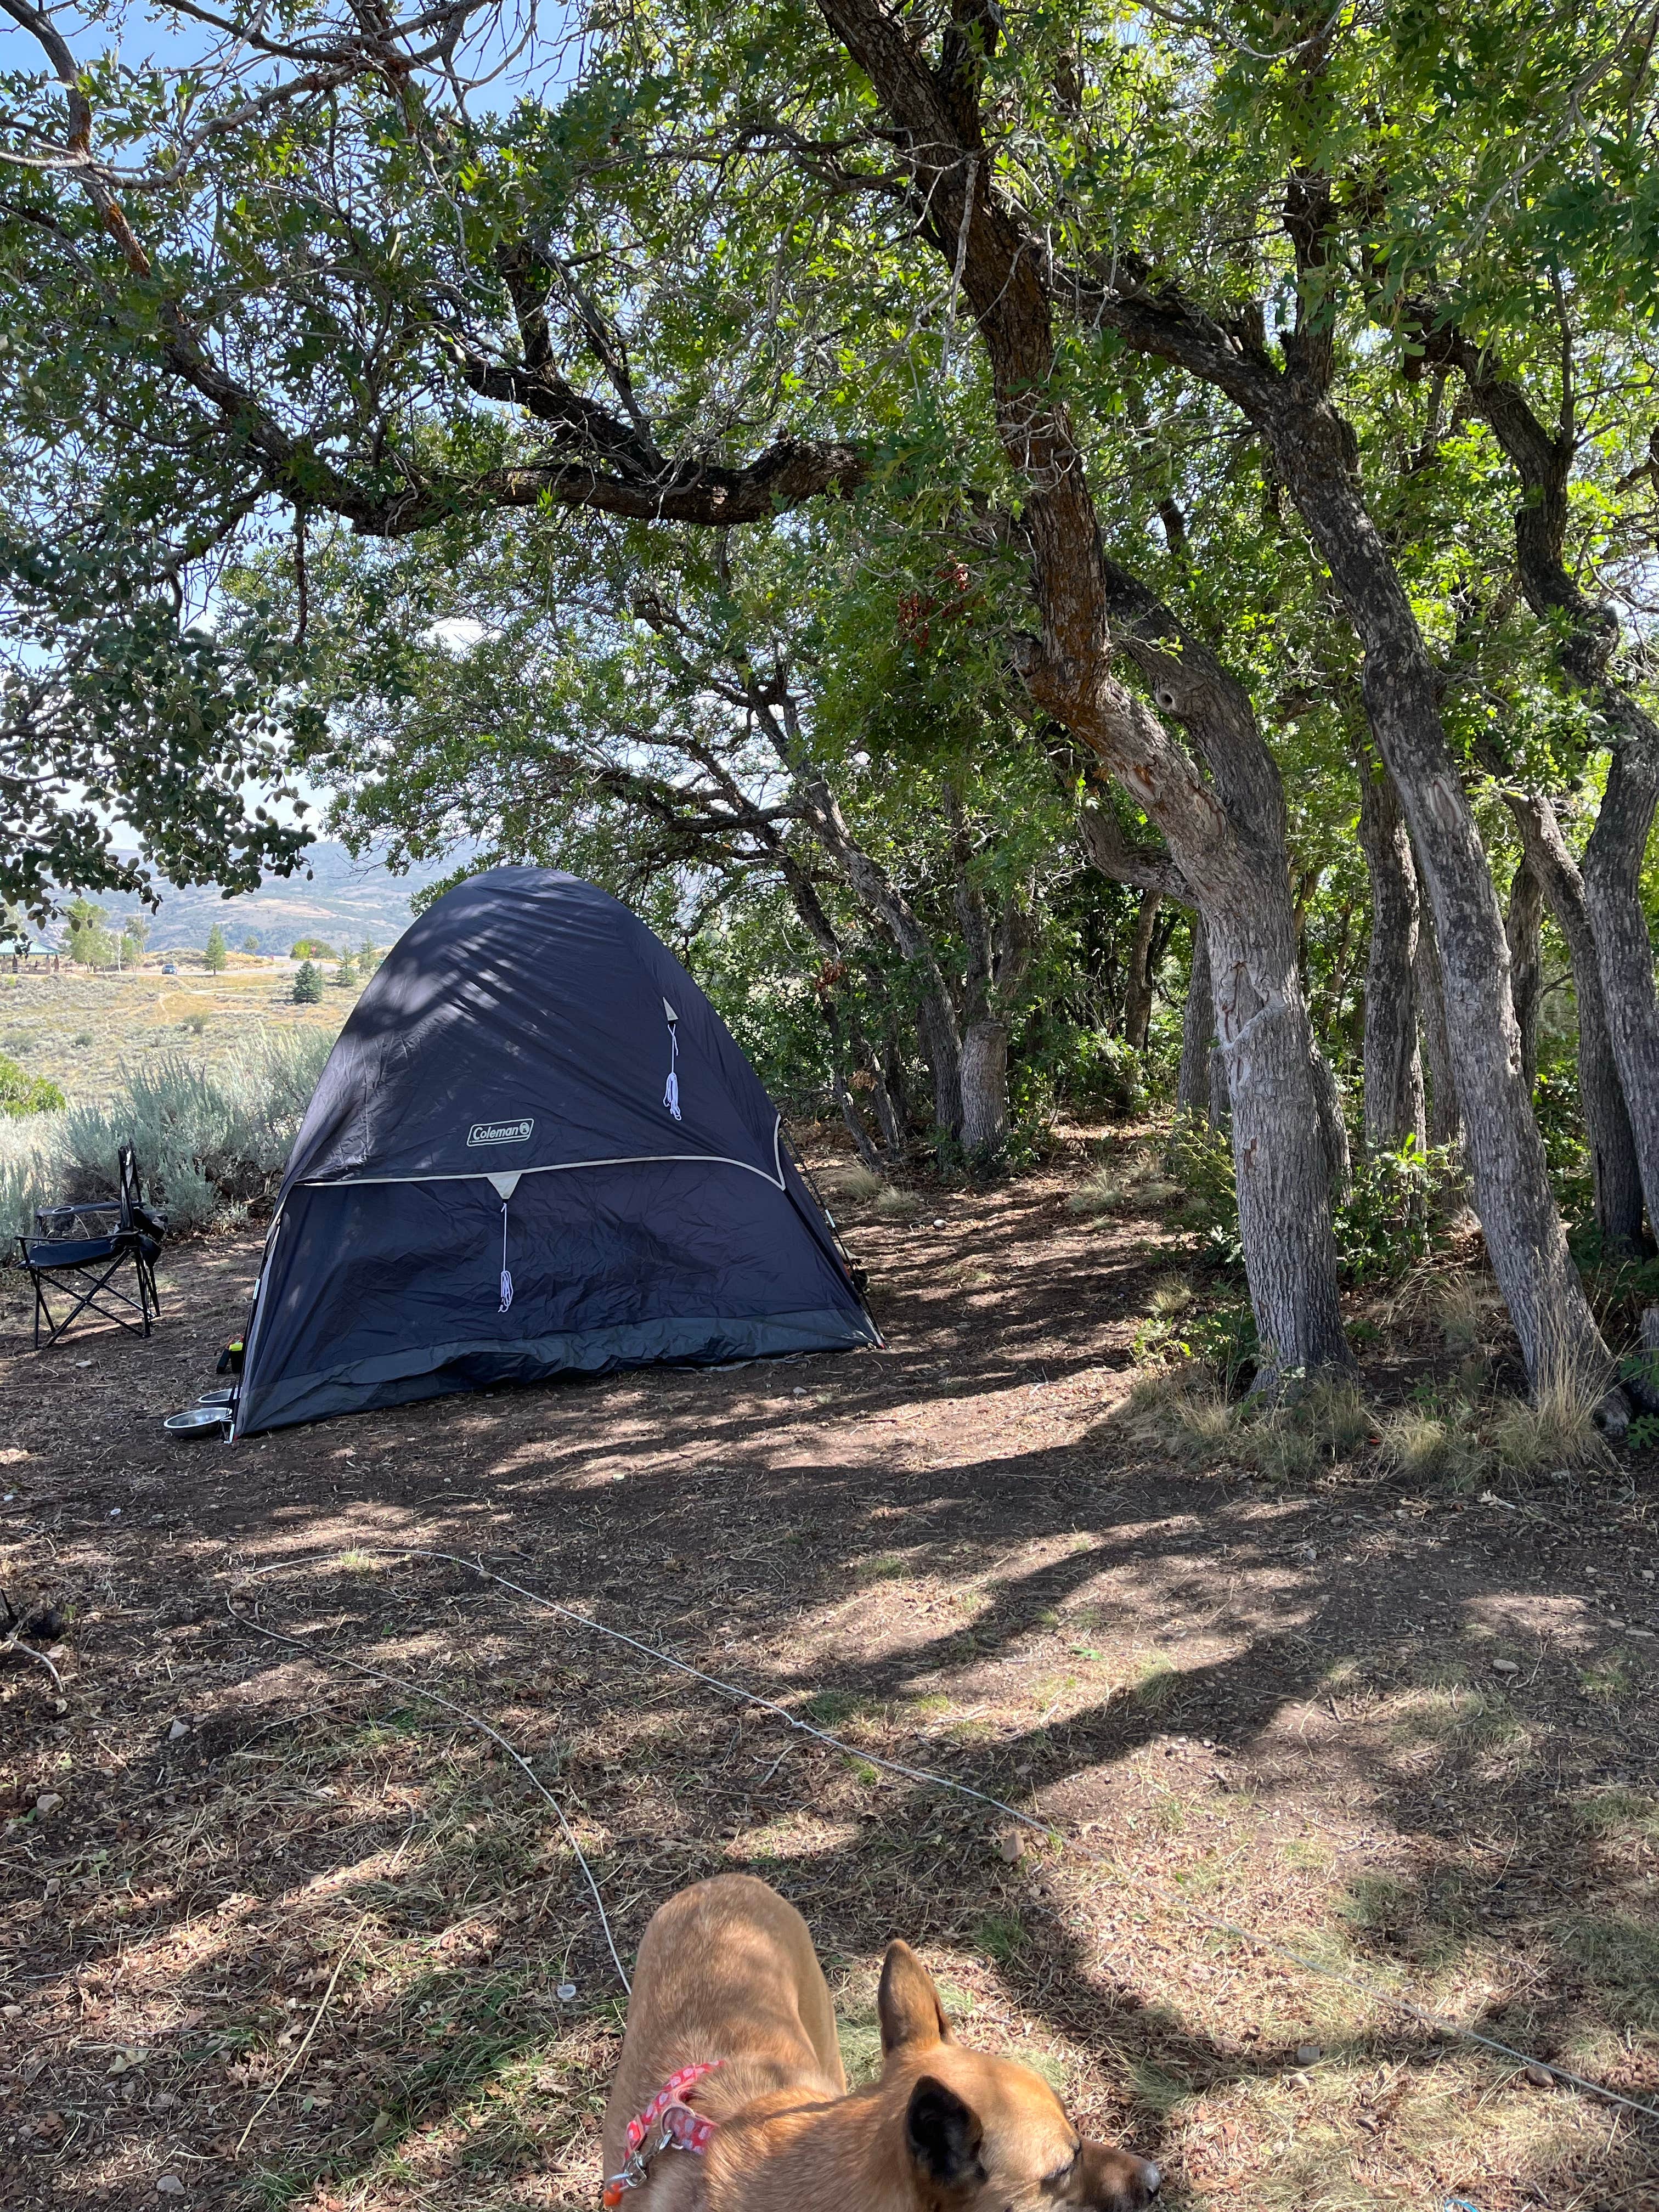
908	2005
942	2135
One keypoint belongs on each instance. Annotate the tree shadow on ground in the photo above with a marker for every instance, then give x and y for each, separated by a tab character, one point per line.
1237	1732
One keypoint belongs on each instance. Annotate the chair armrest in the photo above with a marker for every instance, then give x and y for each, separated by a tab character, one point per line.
61	1220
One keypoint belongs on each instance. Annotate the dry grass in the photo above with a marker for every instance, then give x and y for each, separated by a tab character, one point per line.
1183	1410
1428	1446
1103	1193
1461	1306
1136	1180
895	1204
857	1184
1174	1294
1467	1309
1554	1428
77	1029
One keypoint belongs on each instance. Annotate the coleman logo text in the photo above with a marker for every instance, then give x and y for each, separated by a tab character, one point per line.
500	1133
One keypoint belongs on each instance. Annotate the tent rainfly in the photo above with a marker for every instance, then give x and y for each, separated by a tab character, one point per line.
535	1147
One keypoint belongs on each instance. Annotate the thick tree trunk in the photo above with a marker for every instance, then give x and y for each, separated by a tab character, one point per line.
1137	998
1221	1104
1523	932
1393	1063
1444	1121
1617	1176
941	1048
1315	452
1588	637
1613	896
1280	1155
1197	1030
985	1089
1264	1072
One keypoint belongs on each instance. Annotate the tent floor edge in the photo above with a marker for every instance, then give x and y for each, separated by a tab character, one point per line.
443	1371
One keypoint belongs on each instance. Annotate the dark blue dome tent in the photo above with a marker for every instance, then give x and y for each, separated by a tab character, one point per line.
535	1148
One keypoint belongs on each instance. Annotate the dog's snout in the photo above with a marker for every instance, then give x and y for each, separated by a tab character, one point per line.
1118	2181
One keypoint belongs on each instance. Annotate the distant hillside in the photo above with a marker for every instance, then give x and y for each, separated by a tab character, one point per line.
331	896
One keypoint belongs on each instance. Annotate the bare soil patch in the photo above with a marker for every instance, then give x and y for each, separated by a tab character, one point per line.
277	1934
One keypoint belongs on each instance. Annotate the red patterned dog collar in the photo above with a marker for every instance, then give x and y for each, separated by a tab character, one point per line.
680	2128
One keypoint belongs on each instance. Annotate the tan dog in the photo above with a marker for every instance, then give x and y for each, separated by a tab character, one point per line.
726	1971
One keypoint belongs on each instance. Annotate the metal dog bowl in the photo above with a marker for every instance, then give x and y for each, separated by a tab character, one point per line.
199	1421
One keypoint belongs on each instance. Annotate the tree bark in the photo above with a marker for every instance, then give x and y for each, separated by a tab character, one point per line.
1281	1151
985	1089
1614	1166
1612	897
1315	452
1523	932
1392	1063
1221	1104
1265	1075
1589	636
1197	1031
1138	997
1445	1120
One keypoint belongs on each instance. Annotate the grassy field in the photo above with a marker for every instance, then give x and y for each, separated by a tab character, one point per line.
78	1028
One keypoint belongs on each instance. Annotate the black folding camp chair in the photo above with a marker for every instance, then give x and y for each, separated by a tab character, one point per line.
82	1250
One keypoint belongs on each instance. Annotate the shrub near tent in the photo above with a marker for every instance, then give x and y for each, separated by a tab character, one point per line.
22	1093
535	1148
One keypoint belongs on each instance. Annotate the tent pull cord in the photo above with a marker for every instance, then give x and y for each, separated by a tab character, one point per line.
507	1279
670	1097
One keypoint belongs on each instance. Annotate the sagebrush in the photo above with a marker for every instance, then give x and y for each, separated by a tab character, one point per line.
210	1141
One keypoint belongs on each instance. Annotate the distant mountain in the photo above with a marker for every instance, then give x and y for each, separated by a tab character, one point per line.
329	896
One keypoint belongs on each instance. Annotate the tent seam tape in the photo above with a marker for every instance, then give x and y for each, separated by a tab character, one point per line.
555	1167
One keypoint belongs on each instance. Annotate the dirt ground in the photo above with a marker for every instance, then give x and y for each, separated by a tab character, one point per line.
274	1933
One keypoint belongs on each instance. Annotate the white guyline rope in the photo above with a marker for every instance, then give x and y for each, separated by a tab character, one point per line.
1432	2022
